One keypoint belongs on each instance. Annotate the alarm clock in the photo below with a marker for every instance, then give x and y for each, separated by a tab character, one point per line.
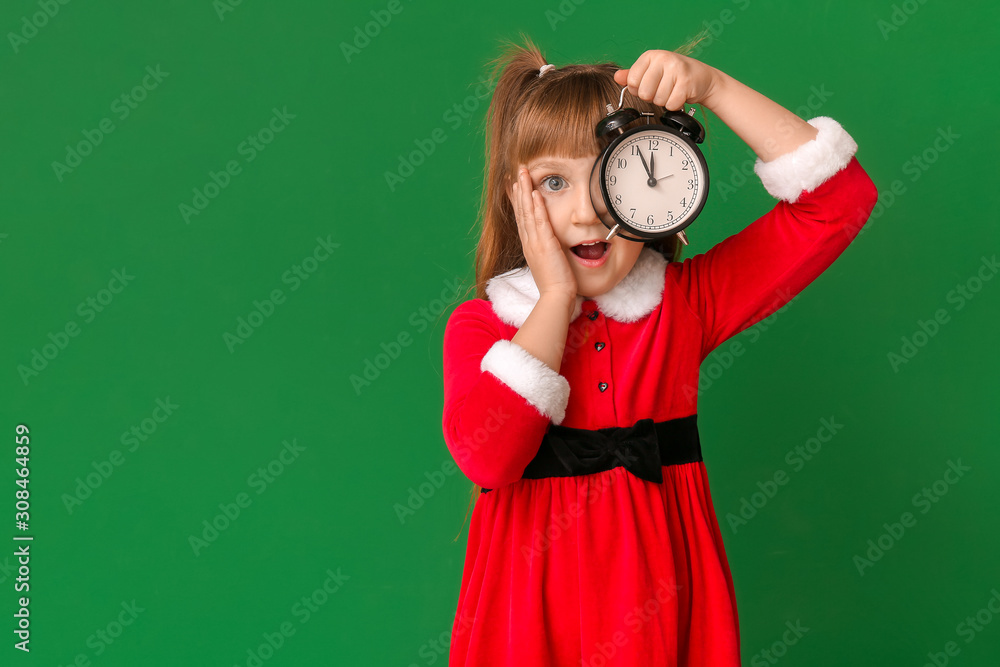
652	178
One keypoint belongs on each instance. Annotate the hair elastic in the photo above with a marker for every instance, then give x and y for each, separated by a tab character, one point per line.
545	68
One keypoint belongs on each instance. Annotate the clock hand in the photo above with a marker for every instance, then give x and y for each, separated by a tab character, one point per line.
662	177
644	165
649	172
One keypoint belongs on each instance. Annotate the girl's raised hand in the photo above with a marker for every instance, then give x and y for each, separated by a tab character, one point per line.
543	251
668	79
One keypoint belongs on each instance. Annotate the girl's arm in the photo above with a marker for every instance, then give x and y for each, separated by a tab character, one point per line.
825	197
767	127
499	398
671	80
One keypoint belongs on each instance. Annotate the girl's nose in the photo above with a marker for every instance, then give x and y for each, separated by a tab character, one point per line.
583	208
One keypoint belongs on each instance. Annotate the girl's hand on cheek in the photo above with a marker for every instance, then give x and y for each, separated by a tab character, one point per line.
668	79
548	263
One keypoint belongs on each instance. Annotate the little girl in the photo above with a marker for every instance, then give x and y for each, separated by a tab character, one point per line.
570	394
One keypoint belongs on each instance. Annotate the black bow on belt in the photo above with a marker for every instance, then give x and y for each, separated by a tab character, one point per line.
570	451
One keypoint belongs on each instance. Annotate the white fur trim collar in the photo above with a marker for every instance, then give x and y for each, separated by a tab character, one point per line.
513	294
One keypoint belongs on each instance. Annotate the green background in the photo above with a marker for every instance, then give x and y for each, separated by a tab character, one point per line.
403	260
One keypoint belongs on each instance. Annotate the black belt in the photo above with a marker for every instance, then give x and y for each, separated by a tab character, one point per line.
643	449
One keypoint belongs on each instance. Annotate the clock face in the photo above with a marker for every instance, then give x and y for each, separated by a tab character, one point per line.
655	182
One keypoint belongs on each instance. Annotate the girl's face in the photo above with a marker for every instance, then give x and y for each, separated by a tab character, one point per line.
564	184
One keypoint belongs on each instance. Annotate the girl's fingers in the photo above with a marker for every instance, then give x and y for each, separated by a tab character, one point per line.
541	215
662	94
515	201
655	78
651	78
545	232
677	100
512	195
636	73
527	218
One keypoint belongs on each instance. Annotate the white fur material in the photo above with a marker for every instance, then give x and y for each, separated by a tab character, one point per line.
639	292
513	294
529	376
808	166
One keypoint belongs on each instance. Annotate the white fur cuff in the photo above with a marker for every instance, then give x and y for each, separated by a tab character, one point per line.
530	377
805	168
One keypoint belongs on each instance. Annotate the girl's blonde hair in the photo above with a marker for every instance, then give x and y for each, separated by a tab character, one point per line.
530	116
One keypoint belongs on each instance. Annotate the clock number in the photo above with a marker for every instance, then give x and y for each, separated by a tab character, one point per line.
684	202
618	199
684	165
653	143
649	219
635	149
670	216
690	184
613	179
633	212
671	150
622	163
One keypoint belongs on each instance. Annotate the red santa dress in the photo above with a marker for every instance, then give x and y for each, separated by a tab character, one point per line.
613	567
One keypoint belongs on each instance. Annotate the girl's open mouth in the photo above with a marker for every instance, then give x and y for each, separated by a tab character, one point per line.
592	255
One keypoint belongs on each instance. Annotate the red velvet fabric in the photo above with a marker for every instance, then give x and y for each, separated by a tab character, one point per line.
608	569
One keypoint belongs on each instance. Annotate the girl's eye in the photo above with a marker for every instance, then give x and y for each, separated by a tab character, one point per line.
548	181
